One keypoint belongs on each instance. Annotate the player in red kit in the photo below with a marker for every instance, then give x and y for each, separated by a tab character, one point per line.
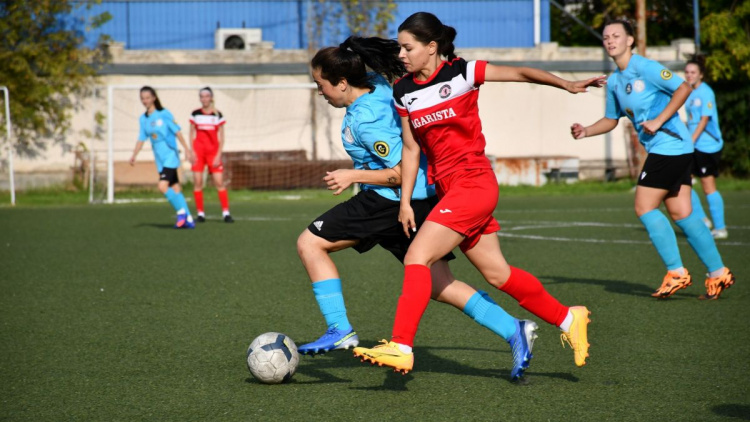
207	136
437	102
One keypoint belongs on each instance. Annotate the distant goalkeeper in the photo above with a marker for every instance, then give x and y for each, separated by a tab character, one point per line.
207	138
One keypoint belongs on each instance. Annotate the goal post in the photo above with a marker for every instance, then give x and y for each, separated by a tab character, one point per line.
8	132
261	118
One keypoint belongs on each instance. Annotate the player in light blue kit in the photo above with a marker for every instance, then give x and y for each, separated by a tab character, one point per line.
650	96
371	135
703	124
159	127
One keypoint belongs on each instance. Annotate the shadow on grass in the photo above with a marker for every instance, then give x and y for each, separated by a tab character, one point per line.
618	286
740	411
431	362
155	225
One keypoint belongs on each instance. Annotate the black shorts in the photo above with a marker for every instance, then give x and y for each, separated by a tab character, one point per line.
667	172
372	220
706	164
170	175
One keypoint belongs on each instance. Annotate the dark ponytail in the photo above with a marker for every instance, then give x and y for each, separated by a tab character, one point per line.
349	60
157	103
426	27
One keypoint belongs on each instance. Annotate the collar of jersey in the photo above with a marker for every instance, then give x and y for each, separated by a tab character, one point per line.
428	80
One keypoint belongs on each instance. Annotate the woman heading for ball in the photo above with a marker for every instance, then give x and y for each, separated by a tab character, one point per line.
207	137
371	135
437	101
703	124
158	126
650	96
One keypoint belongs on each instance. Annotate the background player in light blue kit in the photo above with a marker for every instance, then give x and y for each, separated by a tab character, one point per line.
703	124
650	96
371	134
158	126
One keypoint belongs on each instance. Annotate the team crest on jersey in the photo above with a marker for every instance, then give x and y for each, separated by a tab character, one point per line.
697	102
381	148
445	91
639	86
628	88
710	105
159	123
629	112
153	136
666	74
348	135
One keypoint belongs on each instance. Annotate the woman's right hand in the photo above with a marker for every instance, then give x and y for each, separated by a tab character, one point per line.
578	131
406	217
132	160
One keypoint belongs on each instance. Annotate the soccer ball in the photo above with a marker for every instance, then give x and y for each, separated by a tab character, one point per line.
272	358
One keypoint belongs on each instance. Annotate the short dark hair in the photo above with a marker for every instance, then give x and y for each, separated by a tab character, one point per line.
698	60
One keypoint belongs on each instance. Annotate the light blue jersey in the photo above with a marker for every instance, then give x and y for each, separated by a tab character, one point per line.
371	134
160	128
641	92
700	103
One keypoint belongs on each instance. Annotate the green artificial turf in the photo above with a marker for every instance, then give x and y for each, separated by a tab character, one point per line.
107	313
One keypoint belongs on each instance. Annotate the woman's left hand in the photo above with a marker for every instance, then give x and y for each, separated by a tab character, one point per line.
576	87
338	180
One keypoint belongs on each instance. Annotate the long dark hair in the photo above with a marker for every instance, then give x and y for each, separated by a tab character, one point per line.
348	61
157	103
426	27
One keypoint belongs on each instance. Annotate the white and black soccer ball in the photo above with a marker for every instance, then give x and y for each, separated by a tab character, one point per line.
272	358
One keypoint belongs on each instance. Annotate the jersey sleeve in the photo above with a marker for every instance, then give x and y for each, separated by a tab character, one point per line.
612	109
660	76
170	121
475	71
378	139
192	118
142	135
219	119
398	102
708	104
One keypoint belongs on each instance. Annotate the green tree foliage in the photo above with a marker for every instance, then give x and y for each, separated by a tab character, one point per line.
725	39
46	67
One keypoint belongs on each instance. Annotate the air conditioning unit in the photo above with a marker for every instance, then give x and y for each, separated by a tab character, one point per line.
237	38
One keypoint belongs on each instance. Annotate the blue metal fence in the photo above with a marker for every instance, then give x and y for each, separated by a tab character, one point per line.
191	24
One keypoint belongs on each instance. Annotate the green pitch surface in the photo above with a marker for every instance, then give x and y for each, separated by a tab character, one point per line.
107	313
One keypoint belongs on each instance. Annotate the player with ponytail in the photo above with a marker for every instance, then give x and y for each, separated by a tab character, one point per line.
371	135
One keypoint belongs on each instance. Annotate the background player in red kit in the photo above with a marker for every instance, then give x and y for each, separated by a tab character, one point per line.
437	99
207	136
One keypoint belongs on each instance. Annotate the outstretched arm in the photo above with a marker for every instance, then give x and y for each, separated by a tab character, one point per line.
495	73
340	179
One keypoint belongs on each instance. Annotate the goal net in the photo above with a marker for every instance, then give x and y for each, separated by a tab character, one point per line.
277	136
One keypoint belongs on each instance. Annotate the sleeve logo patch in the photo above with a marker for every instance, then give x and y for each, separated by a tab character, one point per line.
710	105
666	74
382	148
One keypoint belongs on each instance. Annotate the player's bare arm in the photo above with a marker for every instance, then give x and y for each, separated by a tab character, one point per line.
495	73
677	101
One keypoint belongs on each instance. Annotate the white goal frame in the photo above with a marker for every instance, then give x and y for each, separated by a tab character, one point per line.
11	179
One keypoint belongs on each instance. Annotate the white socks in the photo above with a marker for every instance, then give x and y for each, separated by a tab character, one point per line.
567	322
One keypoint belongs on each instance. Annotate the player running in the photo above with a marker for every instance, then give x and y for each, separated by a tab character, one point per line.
158	125
703	123
437	100
371	134
207	137
650	96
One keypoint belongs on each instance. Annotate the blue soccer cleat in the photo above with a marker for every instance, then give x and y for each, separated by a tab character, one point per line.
333	339
184	221
521	344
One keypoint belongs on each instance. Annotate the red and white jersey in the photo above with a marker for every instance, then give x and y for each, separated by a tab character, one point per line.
444	116
207	128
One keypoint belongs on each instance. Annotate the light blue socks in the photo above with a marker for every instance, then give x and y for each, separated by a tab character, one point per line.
330	299
695	203
716	208
178	201
662	236
700	239
489	314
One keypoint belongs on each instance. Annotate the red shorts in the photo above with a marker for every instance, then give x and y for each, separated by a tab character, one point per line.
467	200
205	157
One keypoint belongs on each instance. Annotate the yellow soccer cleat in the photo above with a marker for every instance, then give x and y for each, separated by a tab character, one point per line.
577	337
387	354
716	285
673	282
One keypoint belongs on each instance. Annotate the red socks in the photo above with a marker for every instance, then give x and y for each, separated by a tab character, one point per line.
198	194
224	199
530	294
415	295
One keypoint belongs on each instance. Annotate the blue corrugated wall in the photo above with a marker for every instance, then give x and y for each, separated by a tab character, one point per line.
154	25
